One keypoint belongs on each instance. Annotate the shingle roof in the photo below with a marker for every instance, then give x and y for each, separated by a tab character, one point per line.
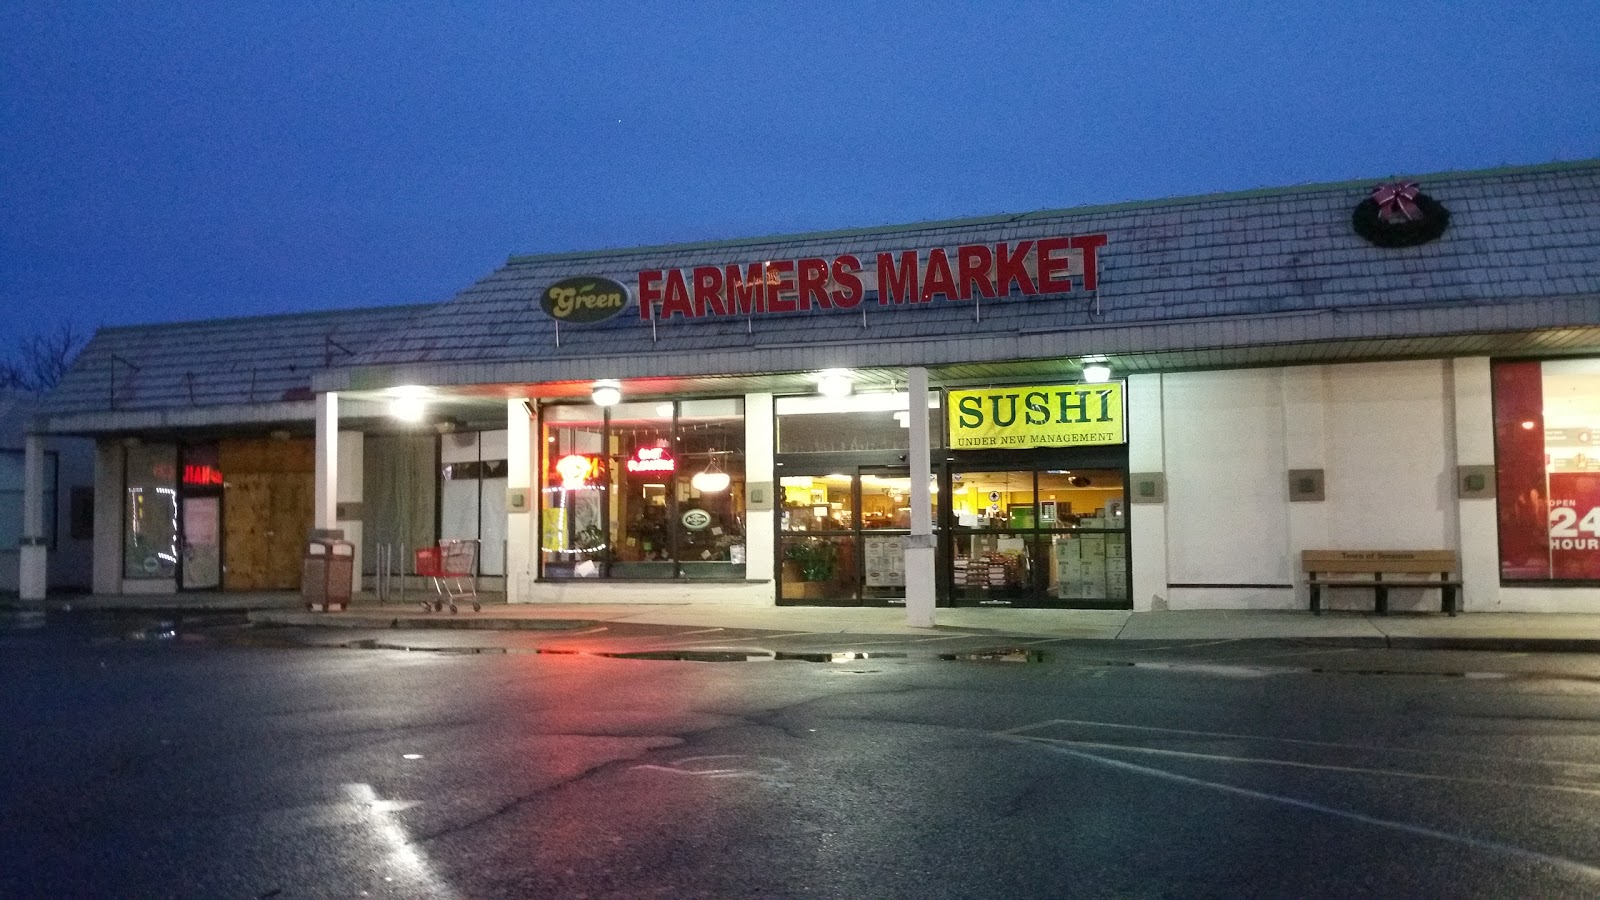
218	362
1278	261
1186	277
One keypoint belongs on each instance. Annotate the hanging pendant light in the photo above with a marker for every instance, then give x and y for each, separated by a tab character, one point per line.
712	480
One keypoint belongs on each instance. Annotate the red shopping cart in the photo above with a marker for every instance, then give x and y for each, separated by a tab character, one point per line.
452	565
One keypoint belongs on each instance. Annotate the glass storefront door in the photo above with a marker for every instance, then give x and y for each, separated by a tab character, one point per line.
200	491
885	522
202	543
842	536
818	534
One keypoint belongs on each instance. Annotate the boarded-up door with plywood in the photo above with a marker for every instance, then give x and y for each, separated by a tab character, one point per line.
267	512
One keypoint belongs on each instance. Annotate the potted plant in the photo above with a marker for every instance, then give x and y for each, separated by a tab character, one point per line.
808	565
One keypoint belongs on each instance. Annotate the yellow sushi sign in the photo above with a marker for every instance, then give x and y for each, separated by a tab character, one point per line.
1066	415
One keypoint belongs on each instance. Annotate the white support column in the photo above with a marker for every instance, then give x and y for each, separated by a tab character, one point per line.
521	501
760	532
352	492
1147	516
325	514
1478	522
921	589
1305	440
109	490
33	566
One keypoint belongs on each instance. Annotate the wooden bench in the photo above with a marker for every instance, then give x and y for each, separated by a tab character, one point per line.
1366	568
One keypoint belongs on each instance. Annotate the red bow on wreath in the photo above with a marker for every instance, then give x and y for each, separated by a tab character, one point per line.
1397	201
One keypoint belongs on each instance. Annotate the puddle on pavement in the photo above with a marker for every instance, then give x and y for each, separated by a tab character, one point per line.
147	627
160	630
21	619
731	655
694	655
998	654
375	644
841	657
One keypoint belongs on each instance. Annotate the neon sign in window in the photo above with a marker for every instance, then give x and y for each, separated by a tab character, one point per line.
201	475
578	471
651	459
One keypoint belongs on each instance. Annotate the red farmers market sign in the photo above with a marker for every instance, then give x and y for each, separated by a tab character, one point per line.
1041	267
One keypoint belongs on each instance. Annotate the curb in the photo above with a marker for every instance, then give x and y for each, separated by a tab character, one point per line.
1498	644
440	622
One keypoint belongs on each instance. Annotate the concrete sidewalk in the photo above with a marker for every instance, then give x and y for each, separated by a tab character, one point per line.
1496	631
1543	632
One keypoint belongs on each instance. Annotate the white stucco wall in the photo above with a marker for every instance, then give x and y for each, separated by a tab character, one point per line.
1391	458
1388	437
1391	464
1227	516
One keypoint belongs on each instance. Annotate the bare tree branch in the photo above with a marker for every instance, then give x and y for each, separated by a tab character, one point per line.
39	361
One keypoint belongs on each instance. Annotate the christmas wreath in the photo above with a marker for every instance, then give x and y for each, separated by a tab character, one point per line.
1399	215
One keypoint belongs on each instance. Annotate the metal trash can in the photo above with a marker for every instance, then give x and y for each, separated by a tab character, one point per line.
326	570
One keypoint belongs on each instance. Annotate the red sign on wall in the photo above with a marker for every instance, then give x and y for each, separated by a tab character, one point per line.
201	475
651	459
1575	525
1044	266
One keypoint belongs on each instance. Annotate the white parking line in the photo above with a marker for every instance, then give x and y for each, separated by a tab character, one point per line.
1323	767
1021	731
1569	865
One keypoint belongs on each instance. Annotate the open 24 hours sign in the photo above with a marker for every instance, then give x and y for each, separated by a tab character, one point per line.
1575	525
1061	415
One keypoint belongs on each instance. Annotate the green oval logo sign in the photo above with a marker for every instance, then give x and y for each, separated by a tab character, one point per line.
589	298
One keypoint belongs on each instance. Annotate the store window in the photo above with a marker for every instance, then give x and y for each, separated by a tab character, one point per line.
1547	469
644	463
11	484
650	490
859	422
1049	536
150	512
709	487
472	491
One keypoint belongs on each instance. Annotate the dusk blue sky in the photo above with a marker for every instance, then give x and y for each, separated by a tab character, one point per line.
167	161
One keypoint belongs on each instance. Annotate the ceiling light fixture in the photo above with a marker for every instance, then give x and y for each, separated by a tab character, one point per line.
408	402
606	392
1096	373
408	409
835	383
